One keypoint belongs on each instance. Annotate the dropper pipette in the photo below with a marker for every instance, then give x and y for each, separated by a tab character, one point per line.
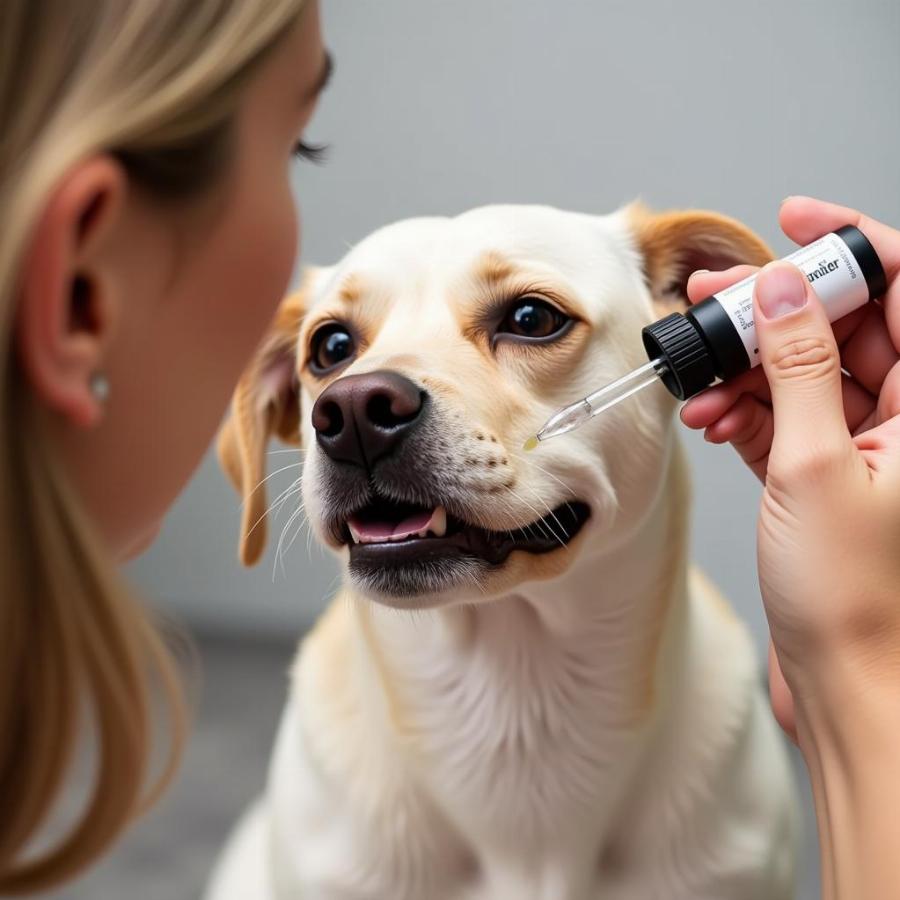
576	414
716	338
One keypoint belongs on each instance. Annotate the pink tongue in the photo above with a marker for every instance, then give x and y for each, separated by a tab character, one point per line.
381	531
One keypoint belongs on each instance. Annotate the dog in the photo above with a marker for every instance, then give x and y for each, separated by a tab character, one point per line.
523	690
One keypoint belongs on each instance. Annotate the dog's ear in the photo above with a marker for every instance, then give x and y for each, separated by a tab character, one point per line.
266	403
674	244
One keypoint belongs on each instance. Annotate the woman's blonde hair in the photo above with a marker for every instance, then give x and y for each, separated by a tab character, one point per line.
157	85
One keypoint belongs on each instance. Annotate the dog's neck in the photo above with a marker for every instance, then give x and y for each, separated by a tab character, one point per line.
601	624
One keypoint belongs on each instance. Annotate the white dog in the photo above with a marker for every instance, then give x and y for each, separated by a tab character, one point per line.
522	690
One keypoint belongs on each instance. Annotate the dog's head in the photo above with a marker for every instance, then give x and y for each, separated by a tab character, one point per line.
414	370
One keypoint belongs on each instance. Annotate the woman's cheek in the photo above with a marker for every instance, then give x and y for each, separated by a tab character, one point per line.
282	230
262	259
285	229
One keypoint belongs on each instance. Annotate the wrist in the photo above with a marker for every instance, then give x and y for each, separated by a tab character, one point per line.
849	734
844	685
852	716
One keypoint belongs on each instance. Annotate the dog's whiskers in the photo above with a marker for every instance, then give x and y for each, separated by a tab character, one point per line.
552	514
279	559
291	490
532	529
301	450
541	522
543	502
297	533
271	475
546	473
309	537
293	486
474	579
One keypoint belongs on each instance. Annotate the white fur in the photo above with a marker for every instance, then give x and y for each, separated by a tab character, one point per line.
596	732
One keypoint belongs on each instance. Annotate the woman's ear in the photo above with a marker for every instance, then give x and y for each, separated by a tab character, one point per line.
65	312
266	403
675	244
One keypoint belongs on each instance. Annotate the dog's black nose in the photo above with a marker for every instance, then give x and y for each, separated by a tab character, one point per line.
361	418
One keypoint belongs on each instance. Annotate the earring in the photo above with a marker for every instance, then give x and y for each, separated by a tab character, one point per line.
100	387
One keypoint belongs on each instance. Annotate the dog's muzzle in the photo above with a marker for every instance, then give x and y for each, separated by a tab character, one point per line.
393	494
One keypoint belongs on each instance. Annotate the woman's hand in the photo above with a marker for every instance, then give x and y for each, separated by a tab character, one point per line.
819	423
826	443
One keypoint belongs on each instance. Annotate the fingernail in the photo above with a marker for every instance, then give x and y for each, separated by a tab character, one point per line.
780	290
698	271
789	197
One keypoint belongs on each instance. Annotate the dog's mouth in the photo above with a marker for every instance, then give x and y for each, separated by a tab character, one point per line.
390	533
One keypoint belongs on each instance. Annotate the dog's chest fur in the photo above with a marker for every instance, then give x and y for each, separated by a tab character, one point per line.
502	759
502	741
523	736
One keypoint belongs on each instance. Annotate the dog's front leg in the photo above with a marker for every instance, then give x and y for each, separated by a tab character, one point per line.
347	821
730	830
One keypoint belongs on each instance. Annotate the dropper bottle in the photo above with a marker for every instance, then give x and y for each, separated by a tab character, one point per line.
716	339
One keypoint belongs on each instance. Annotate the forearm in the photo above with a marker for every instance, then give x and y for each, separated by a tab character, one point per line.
850	737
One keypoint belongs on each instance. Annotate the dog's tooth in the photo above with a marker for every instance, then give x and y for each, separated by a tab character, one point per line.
354	533
438	524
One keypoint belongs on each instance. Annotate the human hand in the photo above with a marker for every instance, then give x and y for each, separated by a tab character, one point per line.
826	443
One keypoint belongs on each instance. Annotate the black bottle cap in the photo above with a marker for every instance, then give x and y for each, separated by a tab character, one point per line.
704	344
689	364
729	355
869	263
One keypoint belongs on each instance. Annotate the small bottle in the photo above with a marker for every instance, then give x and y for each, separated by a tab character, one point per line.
716	338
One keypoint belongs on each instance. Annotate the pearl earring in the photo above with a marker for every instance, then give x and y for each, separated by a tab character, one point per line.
100	387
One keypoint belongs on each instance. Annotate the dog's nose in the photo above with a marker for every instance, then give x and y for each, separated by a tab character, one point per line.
361	418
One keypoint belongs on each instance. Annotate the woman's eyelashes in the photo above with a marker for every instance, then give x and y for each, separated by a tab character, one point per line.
532	319
314	153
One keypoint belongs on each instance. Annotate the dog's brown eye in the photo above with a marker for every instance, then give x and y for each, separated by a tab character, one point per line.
533	318
331	345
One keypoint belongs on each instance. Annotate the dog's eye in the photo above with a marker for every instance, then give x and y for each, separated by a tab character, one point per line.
534	318
331	345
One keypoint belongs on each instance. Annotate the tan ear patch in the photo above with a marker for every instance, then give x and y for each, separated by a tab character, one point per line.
266	403
675	244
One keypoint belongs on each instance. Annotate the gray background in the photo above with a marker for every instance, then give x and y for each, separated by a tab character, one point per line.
584	104
437	107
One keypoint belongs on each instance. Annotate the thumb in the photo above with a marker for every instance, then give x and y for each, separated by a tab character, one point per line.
802	364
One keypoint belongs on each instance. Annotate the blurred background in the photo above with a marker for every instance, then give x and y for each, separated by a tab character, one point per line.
438	107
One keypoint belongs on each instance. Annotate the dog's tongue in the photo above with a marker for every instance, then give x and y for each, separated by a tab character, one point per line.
419	523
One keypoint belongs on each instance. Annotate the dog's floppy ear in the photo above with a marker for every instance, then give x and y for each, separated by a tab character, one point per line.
674	244
266	402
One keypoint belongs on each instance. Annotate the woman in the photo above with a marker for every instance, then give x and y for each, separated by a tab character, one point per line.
148	234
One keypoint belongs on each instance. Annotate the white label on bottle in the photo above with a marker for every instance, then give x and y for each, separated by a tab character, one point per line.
830	268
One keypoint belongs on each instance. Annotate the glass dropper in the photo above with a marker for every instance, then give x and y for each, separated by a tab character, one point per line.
576	414
716	338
